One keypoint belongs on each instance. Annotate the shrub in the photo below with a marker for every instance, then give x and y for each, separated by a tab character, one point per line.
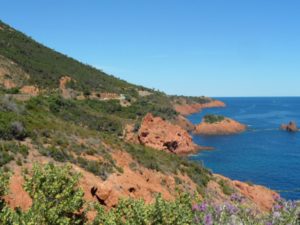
57	154
55	195
213	118
9	149
227	190
7	104
11	127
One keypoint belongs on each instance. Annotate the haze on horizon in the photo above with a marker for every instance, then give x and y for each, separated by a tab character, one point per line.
214	48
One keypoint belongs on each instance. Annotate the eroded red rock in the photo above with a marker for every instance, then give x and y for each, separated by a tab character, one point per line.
160	134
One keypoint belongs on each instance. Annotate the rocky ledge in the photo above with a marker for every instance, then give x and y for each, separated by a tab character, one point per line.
220	126
163	135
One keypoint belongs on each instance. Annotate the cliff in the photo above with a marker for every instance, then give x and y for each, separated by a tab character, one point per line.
224	127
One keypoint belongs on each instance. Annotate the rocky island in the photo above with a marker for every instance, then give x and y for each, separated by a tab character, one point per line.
219	125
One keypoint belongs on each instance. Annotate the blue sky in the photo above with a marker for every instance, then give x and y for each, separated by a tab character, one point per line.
190	47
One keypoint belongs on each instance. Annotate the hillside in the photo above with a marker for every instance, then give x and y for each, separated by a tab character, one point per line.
54	109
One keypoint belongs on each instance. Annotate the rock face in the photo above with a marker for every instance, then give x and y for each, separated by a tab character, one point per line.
224	127
160	134
255	196
291	127
30	90
184	123
264	198
187	109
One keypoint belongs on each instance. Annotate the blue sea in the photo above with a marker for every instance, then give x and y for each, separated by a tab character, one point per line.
263	154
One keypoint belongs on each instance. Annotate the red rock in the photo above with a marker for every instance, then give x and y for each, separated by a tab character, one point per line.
184	123
263	198
291	127
160	134
224	127
30	90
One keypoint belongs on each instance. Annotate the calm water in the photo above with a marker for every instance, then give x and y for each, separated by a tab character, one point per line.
264	154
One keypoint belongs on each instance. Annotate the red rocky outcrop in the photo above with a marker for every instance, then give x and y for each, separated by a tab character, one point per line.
160	134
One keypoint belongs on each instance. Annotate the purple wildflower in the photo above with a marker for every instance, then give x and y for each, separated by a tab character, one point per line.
231	209
293	205
277	207
218	210
203	207
208	220
269	223
236	198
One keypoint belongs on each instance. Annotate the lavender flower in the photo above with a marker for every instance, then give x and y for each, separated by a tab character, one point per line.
236	198
277	207
231	209
202	207
218	210
208	220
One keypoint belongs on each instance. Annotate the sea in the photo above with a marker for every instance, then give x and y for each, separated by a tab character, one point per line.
264	154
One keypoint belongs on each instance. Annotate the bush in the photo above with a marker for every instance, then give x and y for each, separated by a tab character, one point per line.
9	149
227	190
57	154
11	127
7	104
55	195
213	118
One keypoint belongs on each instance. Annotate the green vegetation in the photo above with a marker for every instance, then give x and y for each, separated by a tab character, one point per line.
9	150
213	118
190	99
56	199
4	180
227	190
